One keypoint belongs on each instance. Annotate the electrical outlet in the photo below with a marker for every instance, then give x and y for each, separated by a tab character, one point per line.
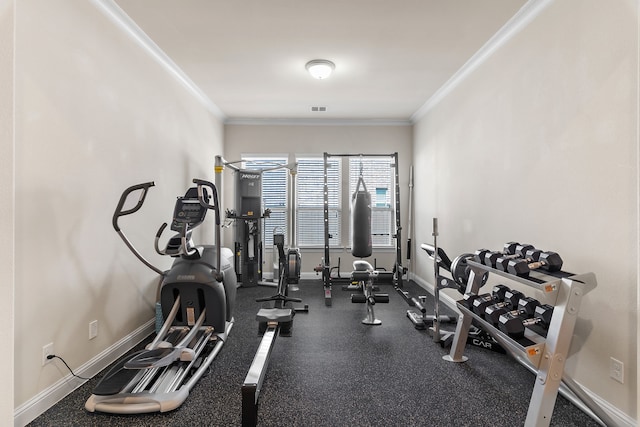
616	370
47	350
93	329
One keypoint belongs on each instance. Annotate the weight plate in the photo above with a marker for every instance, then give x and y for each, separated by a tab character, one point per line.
460	272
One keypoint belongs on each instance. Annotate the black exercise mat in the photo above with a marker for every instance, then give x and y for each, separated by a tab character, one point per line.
335	371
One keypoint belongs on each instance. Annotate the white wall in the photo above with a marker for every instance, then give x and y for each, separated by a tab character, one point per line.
7	9
95	113
307	139
539	144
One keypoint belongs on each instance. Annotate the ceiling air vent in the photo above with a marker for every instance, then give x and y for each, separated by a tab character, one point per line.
318	109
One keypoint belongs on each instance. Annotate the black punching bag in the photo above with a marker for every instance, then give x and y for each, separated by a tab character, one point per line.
361	224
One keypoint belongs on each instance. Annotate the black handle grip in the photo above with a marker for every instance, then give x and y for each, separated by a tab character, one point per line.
123	198
161	229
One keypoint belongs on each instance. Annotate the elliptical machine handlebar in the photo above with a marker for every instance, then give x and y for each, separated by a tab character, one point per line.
120	212
158	234
182	249
202	183
144	187
157	240
216	209
123	198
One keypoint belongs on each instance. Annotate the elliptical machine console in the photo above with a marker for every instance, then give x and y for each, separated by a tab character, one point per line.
187	214
197	297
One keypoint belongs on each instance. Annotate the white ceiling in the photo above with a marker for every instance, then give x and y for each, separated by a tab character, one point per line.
249	56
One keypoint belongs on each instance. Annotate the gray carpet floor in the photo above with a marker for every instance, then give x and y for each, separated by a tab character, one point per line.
335	371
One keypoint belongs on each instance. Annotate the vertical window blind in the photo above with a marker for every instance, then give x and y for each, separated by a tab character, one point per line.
310	201
274	194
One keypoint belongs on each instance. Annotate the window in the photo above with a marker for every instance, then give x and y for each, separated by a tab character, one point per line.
274	194
310	201
378	175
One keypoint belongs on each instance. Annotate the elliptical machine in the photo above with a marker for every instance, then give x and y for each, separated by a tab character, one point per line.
197	297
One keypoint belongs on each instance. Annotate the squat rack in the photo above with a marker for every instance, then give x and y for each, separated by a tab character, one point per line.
398	270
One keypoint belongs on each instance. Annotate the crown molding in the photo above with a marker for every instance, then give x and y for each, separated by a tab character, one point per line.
527	13
116	15
316	122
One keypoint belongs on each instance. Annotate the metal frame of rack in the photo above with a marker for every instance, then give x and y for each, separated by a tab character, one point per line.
398	270
544	356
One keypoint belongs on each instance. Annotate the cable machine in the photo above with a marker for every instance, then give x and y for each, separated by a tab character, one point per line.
248	217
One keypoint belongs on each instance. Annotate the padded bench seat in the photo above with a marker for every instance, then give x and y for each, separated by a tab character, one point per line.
360	265
279	315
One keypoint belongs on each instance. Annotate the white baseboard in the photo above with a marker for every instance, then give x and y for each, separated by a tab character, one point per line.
48	397
622	419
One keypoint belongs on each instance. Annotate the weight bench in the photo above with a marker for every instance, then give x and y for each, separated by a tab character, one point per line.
272	317
364	274
277	315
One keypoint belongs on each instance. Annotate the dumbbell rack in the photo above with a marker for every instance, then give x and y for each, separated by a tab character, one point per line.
544	356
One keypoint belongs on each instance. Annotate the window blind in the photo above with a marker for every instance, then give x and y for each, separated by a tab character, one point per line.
310	201
378	176
274	194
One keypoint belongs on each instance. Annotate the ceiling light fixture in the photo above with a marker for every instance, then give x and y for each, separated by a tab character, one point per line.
320	68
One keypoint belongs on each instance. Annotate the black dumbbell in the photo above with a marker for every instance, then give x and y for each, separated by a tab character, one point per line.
514	325
525	308
549	261
511	250
478	255
481	254
479	304
510	300
497	294
501	262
